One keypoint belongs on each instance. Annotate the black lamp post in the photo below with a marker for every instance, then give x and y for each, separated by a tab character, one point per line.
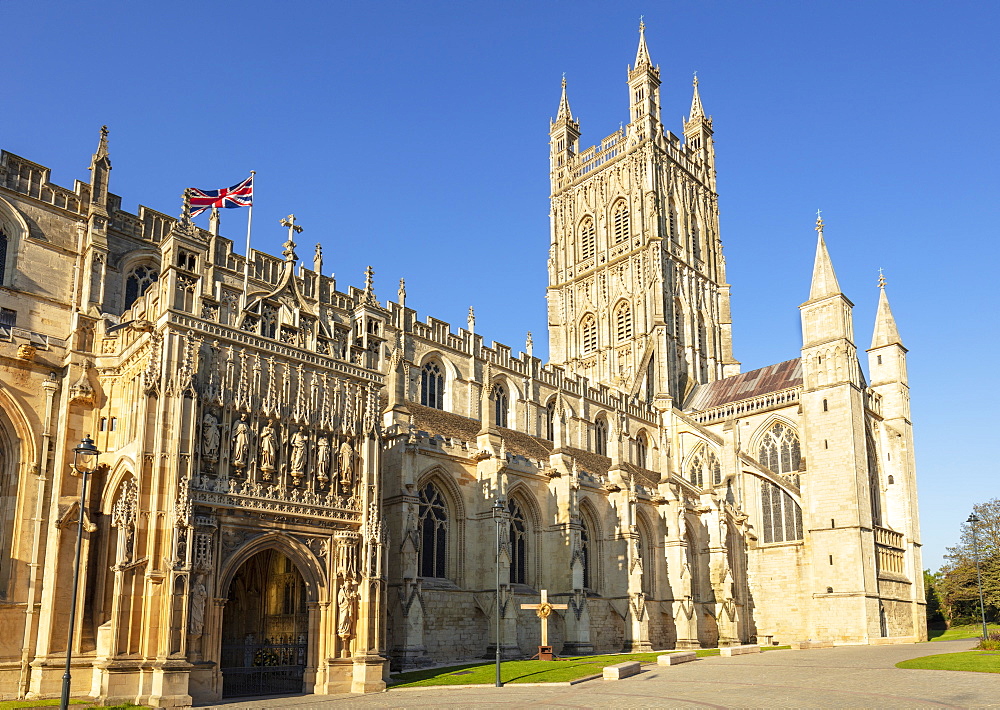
979	577
498	516
84	463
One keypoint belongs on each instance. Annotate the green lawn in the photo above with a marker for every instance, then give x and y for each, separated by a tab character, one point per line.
560	671
978	661
54	703
968	631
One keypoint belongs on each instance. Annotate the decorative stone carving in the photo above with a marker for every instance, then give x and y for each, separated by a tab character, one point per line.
346	466
196	608
323	461
210	437
268	448
300	446
241	443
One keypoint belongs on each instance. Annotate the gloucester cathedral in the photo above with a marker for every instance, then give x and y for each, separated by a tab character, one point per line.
300	485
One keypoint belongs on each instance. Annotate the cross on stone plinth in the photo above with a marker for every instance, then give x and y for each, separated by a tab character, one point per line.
544	611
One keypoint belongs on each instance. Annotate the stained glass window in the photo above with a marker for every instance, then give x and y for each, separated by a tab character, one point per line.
518	540
433	532
432	386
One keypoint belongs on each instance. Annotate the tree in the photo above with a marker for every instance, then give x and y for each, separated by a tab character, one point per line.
935	615
957	584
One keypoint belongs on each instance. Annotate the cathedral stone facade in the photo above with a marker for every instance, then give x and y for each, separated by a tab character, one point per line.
301	486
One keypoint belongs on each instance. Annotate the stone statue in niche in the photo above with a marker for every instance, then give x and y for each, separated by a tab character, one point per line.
323	460
346	466
346	597
268	447
300	444
210	438
196	615
241	443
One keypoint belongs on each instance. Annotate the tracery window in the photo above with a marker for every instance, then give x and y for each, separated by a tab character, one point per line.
588	330
550	420
433	532
3	253
136	283
678	323
641	450
781	516
704	466
623	321
674	233
518	540
585	552
601	437
695	239
587	238
432	385
702	348
645	549
620	222
500	404
779	449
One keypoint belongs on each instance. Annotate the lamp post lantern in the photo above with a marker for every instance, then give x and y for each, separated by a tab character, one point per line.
973	519
498	516
84	463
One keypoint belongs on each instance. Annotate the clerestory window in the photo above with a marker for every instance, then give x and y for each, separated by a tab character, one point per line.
779	449
137	283
432	386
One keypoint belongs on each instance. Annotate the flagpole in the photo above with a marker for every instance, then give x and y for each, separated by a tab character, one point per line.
246	270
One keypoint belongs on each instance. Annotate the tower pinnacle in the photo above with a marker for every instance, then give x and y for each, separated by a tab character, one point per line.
564	110
642	53
697	110
886	332
824	280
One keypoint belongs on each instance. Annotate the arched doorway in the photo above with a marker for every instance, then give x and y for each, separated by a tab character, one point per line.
265	628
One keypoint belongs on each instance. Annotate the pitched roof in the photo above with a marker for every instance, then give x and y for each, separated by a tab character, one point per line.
746	385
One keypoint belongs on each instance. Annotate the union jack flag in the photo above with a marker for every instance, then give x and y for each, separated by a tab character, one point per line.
240	195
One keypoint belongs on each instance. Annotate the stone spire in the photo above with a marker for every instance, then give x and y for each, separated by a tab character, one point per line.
697	110
886	332
642	53
564	110
100	169
824	280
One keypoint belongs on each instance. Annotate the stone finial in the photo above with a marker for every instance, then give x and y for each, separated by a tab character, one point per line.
186	208
370	283
819	222
318	260
529	345
293	229
213	221
881	278
471	320
401	293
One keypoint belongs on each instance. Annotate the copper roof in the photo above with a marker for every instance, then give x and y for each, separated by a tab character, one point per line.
746	385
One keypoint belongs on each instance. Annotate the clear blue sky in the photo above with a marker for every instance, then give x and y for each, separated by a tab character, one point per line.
412	136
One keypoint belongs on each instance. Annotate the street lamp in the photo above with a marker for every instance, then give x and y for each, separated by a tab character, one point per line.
84	463
979	577
498	515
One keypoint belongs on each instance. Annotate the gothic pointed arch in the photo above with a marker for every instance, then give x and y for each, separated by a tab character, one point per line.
550	418
647	551
601	431
13	229
587	237
441	523
14	455
432	384
776	446
642	456
588	333
623	321
524	520
619	221
591	546
305	560
703	467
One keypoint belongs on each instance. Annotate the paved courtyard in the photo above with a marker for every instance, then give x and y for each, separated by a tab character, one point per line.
842	677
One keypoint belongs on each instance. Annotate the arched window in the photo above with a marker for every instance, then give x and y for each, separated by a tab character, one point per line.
3	253
644	543
518	541
781	516
623	321
601	437
432	385
9	464
702	346
620	222
678	322
500	404
704	466
137	282
641	450
550	420
587	238
695	238
588	331
433	532
674	233
779	449
585	550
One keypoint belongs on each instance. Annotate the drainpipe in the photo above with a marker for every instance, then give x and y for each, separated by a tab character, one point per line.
50	385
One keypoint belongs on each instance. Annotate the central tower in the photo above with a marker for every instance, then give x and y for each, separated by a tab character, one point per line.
637	294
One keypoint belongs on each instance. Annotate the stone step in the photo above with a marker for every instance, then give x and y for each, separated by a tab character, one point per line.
672	659
621	670
811	643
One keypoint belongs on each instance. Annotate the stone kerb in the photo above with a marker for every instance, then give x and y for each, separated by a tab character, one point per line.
621	670
739	650
810	644
672	659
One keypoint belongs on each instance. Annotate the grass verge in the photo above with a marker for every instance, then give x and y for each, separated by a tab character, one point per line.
560	671
975	661
966	631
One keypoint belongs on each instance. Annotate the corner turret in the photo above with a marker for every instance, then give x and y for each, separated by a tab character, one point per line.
644	90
